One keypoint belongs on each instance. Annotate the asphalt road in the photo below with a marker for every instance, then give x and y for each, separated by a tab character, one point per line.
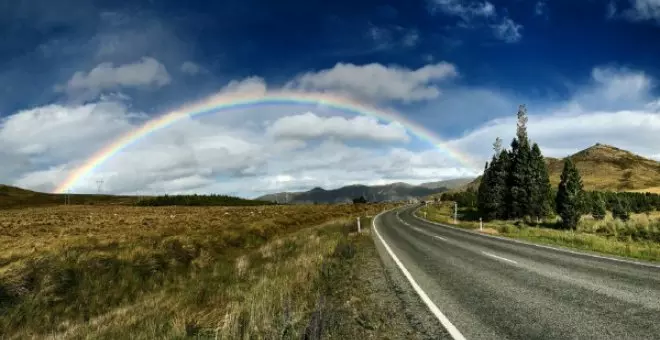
489	288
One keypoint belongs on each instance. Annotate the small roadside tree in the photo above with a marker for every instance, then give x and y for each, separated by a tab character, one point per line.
569	195
598	210
621	209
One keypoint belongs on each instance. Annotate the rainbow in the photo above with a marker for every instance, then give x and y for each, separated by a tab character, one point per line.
243	100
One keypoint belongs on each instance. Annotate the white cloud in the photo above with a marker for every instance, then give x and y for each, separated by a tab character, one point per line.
617	108
466	10
559	134
618	83
147	72
643	10
507	30
310	126
540	8
190	68
57	131
477	13
377	82
255	151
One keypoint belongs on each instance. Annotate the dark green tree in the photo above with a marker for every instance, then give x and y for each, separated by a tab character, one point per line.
569	195
621	209
359	200
598	210
540	189
492	189
520	170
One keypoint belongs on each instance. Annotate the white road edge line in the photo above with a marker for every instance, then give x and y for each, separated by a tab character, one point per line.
453	331
499	257
537	245
440	237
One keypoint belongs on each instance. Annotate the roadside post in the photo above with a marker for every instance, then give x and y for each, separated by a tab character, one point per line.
481	224
358	224
455	212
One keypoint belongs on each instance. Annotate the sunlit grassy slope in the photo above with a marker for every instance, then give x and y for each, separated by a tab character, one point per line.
605	167
110	272
13	197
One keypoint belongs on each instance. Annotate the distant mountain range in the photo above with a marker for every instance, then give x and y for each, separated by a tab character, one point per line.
377	193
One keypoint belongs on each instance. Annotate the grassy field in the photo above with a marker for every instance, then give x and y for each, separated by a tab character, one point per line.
637	238
108	272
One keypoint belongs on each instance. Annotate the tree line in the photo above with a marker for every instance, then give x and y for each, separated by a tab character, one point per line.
516	185
199	200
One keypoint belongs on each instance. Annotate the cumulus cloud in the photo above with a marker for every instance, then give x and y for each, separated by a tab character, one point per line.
256	151
58	131
641	10
617	108
560	134
147	72
377	82
310	126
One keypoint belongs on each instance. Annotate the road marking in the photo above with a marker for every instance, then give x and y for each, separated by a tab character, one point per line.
440	237
499	257
538	245
453	331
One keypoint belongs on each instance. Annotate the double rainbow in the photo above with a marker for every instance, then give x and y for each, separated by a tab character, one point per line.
246	100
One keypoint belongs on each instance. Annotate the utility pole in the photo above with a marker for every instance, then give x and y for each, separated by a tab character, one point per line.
99	183
455	213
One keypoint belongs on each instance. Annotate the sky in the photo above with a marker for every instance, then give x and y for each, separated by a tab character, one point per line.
76	75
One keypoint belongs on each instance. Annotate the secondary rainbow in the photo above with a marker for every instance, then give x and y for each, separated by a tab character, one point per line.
234	101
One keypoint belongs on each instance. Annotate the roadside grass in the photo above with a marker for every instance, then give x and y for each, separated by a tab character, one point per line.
637	238
215	272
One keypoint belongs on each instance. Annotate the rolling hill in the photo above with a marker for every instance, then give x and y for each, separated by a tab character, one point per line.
14	197
605	167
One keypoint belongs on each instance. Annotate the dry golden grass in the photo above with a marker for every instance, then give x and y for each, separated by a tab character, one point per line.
114	271
638	237
653	190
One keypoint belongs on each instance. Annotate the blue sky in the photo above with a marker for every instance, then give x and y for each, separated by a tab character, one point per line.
77	74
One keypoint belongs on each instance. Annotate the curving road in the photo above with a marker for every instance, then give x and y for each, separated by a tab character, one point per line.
482	287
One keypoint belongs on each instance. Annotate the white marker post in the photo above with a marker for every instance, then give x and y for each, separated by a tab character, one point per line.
481	224
455	213
358	224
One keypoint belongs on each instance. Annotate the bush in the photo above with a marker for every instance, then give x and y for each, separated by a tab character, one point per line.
621	210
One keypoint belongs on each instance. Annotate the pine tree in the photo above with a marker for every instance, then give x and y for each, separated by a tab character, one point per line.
539	189
520	170
484	193
492	189
598	210
499	185
570	195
